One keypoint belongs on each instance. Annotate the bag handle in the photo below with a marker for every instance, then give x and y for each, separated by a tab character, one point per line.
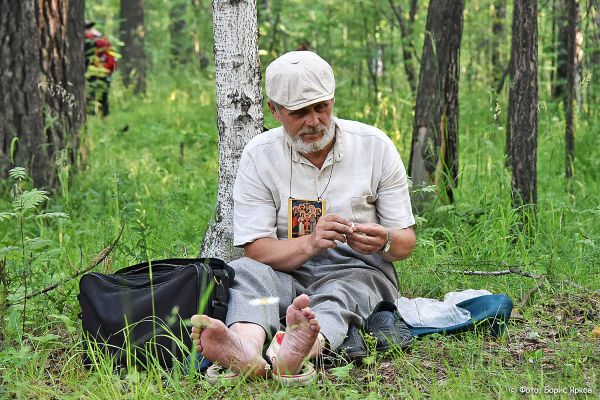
170	264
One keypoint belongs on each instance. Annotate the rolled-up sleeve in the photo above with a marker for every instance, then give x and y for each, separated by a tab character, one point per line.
393	201
254	210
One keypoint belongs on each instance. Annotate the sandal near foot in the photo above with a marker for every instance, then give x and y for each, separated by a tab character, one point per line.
307	374
388	327
216	374
353	348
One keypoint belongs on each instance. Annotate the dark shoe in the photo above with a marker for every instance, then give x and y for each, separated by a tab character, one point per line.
388	327
353	348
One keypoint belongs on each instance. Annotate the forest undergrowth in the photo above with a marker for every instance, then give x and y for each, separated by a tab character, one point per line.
151	167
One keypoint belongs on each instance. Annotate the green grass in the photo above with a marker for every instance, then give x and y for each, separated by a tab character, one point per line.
152	165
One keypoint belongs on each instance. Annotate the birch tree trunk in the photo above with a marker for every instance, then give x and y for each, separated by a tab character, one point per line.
434	149
239	110
523	98
42	85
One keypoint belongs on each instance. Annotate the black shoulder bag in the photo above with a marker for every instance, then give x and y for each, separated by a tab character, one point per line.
141	314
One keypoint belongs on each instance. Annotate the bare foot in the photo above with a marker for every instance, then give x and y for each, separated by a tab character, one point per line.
300	335
223	346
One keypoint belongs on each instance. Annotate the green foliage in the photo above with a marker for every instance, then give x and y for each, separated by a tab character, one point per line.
18	174
29	200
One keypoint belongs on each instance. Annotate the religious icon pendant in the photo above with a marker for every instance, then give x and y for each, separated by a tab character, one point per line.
303	216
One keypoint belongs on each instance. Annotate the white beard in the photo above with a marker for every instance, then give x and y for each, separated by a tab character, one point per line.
306	148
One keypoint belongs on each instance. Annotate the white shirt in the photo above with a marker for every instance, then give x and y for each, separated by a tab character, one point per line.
368	182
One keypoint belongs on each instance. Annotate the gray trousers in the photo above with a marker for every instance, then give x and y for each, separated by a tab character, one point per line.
343	287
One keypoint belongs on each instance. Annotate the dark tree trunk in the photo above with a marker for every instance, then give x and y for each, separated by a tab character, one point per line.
199	44
554	41
370	46
508	136
595	55
181	42
523	98
570	37
274	13
562	59
498	38
133	64
42	84
408	45
434	150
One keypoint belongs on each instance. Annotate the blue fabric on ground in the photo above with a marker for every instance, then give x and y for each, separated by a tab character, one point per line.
491	311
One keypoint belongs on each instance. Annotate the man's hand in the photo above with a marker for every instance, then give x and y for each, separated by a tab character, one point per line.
367	238
331	227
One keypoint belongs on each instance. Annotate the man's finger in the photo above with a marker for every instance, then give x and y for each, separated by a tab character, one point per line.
364	239
361	247
337	227
335	218
370	229
333	235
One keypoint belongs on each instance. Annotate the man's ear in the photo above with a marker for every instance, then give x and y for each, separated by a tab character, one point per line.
274	112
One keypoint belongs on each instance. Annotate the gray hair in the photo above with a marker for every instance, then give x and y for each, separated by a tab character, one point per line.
276	106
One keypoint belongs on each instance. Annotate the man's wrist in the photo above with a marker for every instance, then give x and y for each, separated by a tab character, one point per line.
310	250
385	249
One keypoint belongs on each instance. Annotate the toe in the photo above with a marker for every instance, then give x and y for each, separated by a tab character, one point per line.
301	301
200	321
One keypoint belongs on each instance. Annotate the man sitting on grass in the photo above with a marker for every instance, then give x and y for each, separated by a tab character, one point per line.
331	273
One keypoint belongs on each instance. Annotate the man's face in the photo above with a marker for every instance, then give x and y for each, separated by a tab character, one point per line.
310	128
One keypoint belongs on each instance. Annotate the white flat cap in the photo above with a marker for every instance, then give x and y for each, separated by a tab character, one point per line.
298	79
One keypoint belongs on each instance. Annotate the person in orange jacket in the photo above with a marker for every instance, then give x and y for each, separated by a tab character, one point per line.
101	63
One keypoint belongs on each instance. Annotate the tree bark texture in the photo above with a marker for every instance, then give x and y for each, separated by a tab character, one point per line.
42	85
570	37
523	97
133	63
239	110
434	149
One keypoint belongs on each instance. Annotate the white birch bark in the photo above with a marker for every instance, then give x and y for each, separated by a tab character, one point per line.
239	110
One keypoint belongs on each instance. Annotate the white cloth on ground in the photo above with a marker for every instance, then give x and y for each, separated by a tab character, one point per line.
432	313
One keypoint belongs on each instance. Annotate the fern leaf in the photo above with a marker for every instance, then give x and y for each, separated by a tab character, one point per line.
18	174
29	200
38	243
50	215
8	250
6	215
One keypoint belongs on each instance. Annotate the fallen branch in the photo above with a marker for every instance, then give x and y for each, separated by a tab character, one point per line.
577	285
510	270
99	258
526	298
